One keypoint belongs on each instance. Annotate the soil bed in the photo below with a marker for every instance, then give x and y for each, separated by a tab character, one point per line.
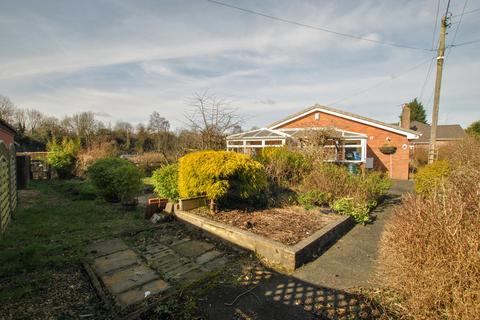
287	225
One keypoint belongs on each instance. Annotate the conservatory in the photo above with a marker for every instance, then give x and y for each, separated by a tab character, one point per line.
344	146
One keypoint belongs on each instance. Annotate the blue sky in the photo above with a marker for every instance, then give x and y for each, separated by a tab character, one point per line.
126	59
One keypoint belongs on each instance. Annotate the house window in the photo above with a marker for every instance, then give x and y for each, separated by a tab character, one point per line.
317	116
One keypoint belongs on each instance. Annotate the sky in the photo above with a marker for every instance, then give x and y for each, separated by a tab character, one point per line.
125	59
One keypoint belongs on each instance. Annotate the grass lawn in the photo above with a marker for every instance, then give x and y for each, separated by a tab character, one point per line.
45	241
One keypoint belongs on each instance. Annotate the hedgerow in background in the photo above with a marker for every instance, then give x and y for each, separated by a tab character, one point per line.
115	179
285	168
221	175
62	157
165	182
429	177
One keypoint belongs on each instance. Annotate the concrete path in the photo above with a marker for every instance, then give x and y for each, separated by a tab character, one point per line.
350	262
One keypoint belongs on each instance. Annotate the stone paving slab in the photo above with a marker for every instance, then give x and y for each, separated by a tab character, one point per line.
120	259
99	249
207	256
216	264
138	294
129	278
193	248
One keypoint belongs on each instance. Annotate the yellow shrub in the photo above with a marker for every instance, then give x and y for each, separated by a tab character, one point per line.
218	174
429	177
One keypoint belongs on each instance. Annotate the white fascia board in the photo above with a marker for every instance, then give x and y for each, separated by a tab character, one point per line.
373	124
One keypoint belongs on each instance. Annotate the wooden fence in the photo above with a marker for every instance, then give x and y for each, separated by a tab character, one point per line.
8	184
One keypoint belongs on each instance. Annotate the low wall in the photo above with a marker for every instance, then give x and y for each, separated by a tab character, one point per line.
289	257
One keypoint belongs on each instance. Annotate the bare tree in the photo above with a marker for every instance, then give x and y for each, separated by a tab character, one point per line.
213	118
7	109
33	120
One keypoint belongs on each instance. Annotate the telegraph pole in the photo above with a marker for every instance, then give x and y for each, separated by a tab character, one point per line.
432	151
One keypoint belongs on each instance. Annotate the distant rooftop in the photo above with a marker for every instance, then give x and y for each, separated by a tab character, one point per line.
447	132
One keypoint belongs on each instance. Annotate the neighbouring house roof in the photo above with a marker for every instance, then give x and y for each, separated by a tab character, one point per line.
410	134
6	126
448	132
266	133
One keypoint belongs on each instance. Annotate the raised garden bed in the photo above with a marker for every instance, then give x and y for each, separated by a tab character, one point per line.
286	225
289	243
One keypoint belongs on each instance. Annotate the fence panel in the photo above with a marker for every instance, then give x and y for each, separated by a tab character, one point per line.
5	208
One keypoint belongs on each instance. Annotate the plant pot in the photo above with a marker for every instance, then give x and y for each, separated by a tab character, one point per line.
387	149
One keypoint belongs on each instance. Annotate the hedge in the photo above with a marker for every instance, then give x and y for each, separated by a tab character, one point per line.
220	175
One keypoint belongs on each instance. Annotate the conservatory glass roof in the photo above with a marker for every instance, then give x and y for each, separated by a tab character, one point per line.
265	133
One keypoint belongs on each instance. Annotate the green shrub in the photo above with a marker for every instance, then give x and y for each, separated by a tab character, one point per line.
220	175
375	185
285	168
115	179
429	177
311	199
346	193
63	157
358	210
165	182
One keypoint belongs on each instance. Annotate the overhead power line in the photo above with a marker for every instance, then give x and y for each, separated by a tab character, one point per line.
300	24
466	12
463	43
433	43
380	83
456	29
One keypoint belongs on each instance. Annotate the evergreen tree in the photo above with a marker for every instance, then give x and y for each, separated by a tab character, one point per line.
417	111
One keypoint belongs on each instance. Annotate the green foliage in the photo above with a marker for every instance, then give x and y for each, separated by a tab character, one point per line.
417	111
63	157
285	168
311	199
429	177
346	193
474	129
359	211
49	236
165	182
115	179
220	175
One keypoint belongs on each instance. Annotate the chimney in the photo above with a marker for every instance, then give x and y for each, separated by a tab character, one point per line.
405	119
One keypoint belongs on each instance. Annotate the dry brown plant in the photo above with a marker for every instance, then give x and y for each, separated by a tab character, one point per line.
430	250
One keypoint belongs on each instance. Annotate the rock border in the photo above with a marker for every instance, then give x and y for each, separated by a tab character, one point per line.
288	257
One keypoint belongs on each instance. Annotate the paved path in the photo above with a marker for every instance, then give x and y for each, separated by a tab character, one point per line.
350	262
133	274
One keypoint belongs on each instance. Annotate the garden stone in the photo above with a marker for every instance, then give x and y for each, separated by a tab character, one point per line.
170	207
193	248
117	260
143	292
99	249
160	217
207	256
128	278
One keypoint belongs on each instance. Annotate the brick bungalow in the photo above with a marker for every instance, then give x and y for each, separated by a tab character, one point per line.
364	139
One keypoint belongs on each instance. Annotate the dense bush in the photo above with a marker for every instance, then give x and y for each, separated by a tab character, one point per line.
220	175
429	177
86	157
358	210
285	168
115	179
311	199
62	157
165	182
430	247
347	193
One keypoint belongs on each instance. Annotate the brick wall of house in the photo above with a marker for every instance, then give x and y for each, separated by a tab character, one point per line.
377	137
6	136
